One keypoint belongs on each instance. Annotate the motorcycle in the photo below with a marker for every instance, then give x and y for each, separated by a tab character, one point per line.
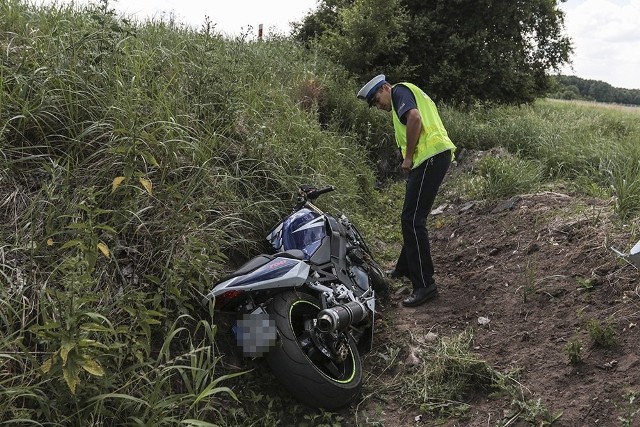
309	306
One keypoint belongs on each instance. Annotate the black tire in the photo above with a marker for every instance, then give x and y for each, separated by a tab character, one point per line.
377	279
376	275
320	383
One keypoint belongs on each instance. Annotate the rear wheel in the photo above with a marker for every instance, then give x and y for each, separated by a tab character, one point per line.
377	279
320	370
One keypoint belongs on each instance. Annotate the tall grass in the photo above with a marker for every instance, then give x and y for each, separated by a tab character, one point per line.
139	163
595	149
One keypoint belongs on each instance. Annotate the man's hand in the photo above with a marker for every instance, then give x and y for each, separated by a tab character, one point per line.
406	165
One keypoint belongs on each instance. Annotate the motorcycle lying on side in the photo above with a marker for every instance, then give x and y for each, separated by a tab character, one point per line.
309	307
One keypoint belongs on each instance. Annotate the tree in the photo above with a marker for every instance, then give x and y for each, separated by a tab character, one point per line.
321	20
365	36
458	50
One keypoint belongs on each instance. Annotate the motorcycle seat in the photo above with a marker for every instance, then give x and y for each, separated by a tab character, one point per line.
291	253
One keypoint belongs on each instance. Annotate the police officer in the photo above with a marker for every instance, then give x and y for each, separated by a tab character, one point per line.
427	152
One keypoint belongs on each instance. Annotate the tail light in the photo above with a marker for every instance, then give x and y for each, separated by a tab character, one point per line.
224	299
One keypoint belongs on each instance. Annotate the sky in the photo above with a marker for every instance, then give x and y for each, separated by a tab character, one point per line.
605	33
606	40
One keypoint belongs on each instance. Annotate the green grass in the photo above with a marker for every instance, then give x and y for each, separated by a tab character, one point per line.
595	149
140	163
602	336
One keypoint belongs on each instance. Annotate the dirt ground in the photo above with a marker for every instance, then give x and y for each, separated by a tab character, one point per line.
539	268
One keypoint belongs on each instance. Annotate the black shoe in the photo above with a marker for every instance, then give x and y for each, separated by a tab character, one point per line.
420	296
394	274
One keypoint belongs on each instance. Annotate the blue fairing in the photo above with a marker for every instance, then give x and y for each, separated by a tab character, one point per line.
303	230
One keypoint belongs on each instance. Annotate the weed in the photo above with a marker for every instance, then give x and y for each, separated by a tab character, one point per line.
574	351
631	410
625	177
506	177
529	410
322	419
602	336
453	370
585	284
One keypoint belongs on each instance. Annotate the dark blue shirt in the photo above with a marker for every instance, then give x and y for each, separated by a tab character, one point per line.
403	101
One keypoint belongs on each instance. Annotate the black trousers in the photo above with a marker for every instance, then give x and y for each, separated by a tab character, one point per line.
423	183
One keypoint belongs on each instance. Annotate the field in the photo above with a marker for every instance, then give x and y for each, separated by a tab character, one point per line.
590	104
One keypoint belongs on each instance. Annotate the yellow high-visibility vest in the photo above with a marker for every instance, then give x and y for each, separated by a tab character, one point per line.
433	136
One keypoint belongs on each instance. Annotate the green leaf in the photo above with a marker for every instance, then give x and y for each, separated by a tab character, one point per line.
71	377
213	391
119	396
92	367
97	317
46	366
65	348
210	390
105	228
198	423
149	158
71	243
47	326
92	343
95	327
153	279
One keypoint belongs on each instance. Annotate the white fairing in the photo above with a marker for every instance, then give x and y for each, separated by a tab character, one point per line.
634	255
318	222
295	276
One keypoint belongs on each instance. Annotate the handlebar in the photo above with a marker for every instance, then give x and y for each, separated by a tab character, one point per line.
311	193
315	193
308	192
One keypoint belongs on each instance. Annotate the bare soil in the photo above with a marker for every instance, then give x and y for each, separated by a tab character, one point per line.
539	267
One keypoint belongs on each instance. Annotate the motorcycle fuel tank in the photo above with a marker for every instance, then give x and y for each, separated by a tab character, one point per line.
302	230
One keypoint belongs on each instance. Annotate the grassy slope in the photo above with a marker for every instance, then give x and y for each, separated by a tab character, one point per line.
141	162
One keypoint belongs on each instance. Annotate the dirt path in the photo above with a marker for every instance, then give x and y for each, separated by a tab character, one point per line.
539	268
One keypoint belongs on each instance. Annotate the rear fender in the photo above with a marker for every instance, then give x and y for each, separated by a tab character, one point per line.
278	273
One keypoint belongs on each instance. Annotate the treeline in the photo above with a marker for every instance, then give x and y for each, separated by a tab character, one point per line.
572	87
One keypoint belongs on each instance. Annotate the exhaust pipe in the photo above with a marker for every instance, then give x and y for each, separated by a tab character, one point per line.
341	316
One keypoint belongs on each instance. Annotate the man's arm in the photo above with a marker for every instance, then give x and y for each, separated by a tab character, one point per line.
414	126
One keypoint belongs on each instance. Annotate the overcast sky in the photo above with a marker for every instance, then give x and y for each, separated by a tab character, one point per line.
605	33
606	38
